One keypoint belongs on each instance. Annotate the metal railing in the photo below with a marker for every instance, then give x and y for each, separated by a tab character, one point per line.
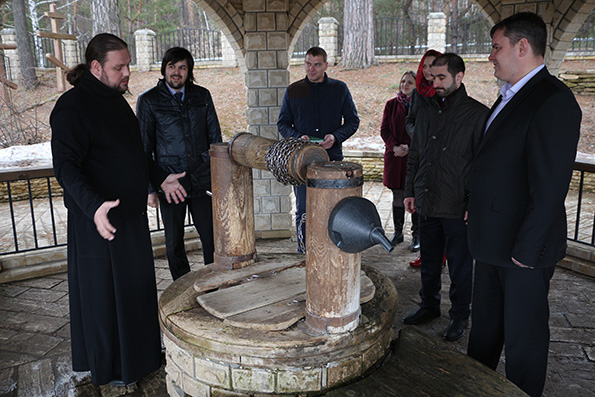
47	46
580	204
469	35
584	41
6	65
307	40
203	44
400	36
33	216
81	46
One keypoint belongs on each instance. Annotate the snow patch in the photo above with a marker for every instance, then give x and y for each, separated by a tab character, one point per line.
364	144
38	155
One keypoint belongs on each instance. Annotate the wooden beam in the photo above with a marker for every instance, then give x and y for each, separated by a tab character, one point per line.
59	36
8	83
57	62
54	15
8	46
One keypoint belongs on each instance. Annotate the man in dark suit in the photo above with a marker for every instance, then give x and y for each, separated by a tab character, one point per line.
517	220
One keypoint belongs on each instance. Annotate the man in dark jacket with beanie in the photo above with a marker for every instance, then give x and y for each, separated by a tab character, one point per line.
178	124
445	139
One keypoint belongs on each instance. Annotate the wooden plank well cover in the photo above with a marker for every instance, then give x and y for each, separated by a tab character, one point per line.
273	301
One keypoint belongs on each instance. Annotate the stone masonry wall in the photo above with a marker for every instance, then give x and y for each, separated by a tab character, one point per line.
581	83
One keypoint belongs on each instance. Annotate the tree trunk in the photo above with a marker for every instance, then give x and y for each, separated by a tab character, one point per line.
358	41
35	27
23	45
106	17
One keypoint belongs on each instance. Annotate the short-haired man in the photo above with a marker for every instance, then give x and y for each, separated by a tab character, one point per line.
317	107
178	123
446	136
517	219
99	161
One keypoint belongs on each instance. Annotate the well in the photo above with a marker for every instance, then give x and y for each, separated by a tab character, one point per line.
237	327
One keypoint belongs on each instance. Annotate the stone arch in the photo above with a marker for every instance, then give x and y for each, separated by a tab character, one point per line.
229	17
299	13
562	17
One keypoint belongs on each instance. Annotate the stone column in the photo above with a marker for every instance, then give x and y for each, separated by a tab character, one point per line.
228	56
437	31
267	77
71	57
145	49
328	38
11	57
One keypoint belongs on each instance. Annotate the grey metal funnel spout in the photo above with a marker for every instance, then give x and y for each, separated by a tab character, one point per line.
354	226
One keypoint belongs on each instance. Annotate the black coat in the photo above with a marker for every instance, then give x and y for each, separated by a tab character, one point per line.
318	109
521	175
442	147
178	136
98	156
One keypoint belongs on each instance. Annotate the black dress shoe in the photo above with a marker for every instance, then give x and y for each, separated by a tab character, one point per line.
415	245
421	315
397	238
455	329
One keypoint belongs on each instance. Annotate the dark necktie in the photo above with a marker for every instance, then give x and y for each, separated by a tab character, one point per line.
178	96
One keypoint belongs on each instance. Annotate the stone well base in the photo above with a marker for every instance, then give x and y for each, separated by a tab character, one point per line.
207	357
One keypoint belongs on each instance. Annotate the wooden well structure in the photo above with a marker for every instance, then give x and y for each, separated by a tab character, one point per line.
256	324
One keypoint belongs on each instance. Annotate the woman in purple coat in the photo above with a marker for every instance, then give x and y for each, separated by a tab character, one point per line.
396	141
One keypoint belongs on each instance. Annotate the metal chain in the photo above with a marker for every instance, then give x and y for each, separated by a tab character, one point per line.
300	237
278	156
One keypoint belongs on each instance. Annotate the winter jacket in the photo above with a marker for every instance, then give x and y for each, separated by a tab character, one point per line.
444	143
317	109
178	136
393	134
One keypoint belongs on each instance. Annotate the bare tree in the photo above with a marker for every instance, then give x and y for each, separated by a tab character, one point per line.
188	17
35	19
106	17
23	45
358	42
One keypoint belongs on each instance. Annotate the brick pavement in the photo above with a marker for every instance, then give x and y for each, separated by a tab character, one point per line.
35	345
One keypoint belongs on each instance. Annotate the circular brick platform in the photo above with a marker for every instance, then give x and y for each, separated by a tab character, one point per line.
206	356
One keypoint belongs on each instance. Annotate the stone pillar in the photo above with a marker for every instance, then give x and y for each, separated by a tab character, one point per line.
266	42
71	56
145	49
437	31
328	38
11	57
228	56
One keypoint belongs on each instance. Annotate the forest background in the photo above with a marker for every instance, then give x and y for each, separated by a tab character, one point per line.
166	15
27	120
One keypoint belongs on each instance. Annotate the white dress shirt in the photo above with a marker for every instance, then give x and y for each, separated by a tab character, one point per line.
507	91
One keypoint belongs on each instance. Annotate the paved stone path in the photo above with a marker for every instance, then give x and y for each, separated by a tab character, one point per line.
35	345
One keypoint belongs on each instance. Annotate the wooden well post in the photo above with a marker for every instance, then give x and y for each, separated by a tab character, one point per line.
233	210
332	275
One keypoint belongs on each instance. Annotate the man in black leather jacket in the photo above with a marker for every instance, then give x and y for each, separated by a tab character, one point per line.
447	133
178	123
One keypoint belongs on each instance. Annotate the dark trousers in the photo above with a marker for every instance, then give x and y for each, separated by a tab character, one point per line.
173	216
300	227
510	308
437	236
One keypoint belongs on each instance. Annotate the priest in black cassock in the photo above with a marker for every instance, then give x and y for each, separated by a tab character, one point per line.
100	163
